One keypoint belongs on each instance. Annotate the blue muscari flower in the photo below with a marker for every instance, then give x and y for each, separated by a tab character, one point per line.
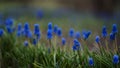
55	28
74	48
104	31
86	35
76	45
115	59
90	61
77	35
26	43
63	41
26	26
39	14
59	32
1	32
9	22
97	39
34	41
19	28
71	32
114	28
37	30
27	32
112	36
9	29
76	42
49	34
18	33
50	25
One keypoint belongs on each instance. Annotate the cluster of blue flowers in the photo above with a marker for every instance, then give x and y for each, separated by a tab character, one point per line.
36	35
76	45
86	34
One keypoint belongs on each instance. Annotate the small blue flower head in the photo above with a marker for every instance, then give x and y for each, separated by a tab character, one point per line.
39	14
18	33
19	28
34	41
55	28
71	32
49	34
104	31
59	32
63	41
86	35
26	43
114	28
9	22
1	32
76	42
97	39
76	45
90	61
74	48
29	34
26	26
9	29
115	59
37	30
112	36
77	35
50	25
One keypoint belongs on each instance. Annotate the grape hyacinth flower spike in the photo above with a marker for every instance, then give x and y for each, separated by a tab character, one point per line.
19	27
9	29
59	32
86	35
104	31
71	32
1	32
115	59
19	30
77	35
26	43
90	61
49	34
114	28
76	45
9	22
112	36
27	32
37	31
34	41
50	26
63	41
97	39
55	29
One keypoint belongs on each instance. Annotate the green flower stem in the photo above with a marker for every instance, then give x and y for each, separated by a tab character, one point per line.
116	48
106	43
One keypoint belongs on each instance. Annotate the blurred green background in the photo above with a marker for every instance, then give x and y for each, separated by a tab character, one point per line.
77	14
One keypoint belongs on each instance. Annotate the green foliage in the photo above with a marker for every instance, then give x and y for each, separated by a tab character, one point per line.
15	54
